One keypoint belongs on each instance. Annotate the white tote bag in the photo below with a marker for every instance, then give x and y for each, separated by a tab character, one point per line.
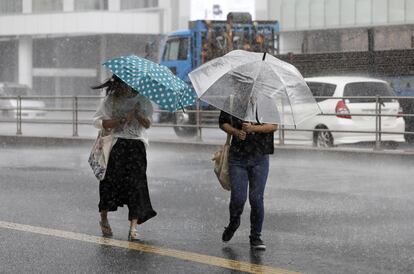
99	156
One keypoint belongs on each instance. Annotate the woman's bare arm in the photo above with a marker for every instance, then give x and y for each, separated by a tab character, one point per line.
144	121
263	128
241	134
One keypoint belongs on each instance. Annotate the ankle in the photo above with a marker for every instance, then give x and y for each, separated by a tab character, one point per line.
133	234
234	223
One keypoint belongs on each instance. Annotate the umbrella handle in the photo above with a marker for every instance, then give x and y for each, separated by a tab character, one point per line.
264	56
182	108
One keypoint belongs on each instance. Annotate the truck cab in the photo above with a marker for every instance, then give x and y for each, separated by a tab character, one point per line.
205	40
177	55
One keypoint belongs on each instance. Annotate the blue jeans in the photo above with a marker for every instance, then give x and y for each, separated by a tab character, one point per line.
248	172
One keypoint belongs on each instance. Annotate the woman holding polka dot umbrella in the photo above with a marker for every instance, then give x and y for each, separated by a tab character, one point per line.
126	114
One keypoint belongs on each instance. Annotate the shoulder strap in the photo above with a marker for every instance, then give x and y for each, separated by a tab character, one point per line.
257	118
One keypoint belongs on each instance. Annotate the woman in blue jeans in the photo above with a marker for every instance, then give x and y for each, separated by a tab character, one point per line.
248	167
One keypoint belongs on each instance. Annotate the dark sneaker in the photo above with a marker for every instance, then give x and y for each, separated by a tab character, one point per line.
229	231
257	243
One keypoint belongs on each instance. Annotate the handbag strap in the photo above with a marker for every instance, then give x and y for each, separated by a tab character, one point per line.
231	118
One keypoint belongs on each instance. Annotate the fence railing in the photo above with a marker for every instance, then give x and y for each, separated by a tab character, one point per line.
20	109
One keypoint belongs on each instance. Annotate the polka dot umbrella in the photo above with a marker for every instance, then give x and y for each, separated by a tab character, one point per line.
154	81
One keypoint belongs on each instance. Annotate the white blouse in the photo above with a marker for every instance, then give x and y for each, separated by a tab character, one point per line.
112	107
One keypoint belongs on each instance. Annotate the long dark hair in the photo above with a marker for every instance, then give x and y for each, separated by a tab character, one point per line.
110	85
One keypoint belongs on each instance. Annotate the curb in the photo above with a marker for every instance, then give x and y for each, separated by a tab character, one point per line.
12	140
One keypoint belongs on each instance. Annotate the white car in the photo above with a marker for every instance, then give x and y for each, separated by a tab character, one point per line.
8	106
343	87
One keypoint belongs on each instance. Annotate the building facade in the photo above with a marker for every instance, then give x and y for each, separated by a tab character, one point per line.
57	46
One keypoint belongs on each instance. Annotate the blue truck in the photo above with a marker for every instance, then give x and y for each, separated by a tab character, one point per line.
204	40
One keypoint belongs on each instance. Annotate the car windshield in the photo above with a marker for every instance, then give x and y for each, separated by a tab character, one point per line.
15	91
176	49
321	89
368	89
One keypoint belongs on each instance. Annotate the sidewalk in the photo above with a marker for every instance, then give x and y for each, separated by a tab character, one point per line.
53	134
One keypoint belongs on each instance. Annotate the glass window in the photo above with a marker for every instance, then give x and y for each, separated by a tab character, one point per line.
302	14
347	13
16	91
396	12
367	89
409	11
47	5
176	49
363	12
321	89
65	52
379	12
317	13
332	12
9	61
91	4
287	14
11	6
138	4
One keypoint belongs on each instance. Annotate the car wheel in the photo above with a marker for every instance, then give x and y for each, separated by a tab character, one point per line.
322	138
181	120
390	145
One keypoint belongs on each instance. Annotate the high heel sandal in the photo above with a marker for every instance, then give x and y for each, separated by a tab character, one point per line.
106	229
133	235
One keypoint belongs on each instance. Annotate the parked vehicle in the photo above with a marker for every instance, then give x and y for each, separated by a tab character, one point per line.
30	108
204	40
345	108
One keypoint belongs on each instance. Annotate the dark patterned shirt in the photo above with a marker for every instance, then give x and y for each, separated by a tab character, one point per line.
255	143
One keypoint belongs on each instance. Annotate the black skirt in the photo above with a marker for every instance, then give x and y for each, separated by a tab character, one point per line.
125	182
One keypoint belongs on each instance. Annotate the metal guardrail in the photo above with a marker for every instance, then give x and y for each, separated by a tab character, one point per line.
75	109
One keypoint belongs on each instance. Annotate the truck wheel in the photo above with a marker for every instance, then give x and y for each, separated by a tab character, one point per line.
409	126
181	120
409	138
5	114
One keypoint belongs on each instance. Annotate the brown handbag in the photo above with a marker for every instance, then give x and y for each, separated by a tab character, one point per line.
221	160
221	164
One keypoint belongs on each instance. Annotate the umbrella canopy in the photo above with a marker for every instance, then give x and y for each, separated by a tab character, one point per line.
154	81
265	89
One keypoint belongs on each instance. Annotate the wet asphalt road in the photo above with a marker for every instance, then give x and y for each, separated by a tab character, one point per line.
325	213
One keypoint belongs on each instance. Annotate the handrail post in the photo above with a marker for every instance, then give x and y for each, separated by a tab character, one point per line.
282	126
377	123
19	115
281	135
380	122
198	123
75	116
